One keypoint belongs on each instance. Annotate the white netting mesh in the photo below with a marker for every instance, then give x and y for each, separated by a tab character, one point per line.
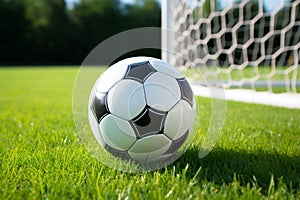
254	48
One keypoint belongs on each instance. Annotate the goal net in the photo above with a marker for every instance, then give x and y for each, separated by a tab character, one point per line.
254	44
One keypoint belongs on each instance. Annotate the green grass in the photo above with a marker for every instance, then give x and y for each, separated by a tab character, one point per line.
41	157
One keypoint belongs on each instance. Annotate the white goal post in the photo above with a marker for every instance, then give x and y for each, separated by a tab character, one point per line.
255	45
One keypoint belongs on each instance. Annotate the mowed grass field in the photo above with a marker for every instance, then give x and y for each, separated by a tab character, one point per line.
41	156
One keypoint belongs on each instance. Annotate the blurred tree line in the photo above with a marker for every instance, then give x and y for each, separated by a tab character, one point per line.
34	32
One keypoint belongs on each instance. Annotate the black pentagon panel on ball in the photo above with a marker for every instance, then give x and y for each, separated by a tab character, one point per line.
118	153
139	71
99	105
149	122
186	90
176	144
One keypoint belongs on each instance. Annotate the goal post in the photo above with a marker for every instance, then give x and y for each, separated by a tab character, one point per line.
255	45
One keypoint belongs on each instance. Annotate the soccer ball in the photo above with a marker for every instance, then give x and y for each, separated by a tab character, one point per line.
141	109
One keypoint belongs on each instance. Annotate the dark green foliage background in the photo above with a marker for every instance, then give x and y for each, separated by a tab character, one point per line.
48	32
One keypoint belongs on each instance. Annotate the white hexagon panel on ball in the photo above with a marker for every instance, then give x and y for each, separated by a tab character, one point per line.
179	120
126	99
162	91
